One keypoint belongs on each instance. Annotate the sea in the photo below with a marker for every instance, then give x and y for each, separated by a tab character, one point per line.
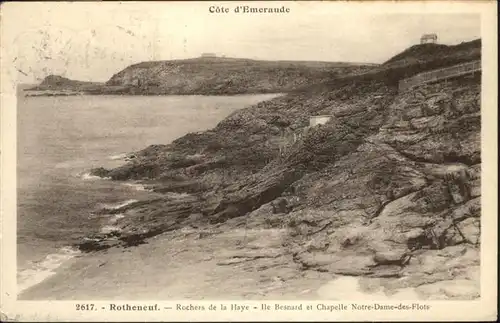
61	138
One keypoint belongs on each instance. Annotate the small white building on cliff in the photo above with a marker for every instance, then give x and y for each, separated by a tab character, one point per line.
316	120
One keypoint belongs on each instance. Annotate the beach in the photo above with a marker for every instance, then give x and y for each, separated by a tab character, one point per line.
242	259
224	264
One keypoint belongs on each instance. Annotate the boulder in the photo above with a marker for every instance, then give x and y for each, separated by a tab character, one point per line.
392	257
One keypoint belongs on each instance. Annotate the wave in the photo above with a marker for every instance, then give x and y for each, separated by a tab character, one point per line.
44	269
174	195
116	217
87	176
119	205
137	187
118	157
109	229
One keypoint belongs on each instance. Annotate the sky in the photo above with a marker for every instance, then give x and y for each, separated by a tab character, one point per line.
92	41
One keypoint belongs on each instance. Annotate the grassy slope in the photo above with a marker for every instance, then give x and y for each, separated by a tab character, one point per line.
223	76
414	60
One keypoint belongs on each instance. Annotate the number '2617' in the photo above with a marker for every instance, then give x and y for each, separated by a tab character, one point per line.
84	307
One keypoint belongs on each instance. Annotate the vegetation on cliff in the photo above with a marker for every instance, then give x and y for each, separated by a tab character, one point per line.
221	75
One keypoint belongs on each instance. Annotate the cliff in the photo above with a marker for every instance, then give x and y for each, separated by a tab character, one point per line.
205	76
219	75
414	60
390	188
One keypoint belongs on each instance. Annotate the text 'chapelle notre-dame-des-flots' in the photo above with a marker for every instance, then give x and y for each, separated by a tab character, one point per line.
248	9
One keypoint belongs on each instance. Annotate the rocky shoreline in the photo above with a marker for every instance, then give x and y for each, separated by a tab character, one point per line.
389	188
356	203
53	93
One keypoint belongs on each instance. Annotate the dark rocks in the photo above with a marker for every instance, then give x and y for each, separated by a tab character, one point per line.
96	244
252	194
280	205
179	187
100	171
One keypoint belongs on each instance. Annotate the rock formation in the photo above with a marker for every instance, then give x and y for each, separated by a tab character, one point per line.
223	75
389	188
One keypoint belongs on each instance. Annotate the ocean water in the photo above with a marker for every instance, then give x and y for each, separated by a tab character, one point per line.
61	138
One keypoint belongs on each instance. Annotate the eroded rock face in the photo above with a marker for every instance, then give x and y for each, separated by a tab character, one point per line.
438	124
399	196
390	188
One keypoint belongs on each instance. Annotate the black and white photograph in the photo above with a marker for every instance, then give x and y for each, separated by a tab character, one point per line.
259	151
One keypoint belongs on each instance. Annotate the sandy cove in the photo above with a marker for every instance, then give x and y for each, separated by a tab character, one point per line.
212	264
185	264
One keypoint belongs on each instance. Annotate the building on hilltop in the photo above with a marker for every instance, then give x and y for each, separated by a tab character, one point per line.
208	55
428	39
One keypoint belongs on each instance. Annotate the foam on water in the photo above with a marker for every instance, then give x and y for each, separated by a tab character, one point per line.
109	228
116	217
118	157
87	176
95	143
90	239
119	205
174	195
44	269
137	187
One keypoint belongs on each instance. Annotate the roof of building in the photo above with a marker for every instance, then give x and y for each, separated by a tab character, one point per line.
429	36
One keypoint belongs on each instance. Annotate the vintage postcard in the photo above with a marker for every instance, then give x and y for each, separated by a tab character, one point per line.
249	161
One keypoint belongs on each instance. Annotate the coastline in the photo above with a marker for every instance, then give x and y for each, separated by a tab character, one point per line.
376	192
39	266
217	264
107	214
56	93
278	246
